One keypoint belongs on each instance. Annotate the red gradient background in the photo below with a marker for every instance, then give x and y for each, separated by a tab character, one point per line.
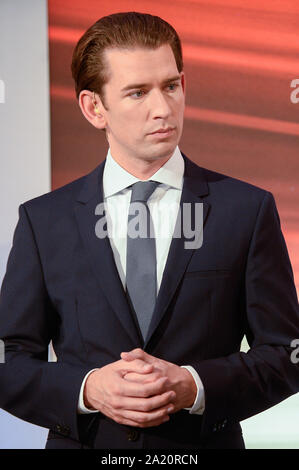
240	57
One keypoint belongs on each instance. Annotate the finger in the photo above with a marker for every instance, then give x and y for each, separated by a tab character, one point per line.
127	356
127	417
142	390
138	366
129	422
146	418
142	378
146	404
137	353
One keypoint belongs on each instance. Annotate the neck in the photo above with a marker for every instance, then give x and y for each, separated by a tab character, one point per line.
141	169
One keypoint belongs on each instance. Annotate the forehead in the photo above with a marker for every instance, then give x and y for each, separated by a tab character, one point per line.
140	64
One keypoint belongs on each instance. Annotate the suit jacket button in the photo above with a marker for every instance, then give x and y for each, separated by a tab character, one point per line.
64	430
57	428
132	435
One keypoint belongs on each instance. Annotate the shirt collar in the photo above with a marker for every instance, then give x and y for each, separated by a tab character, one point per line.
116	178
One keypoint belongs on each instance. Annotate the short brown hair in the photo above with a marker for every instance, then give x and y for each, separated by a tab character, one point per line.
122	30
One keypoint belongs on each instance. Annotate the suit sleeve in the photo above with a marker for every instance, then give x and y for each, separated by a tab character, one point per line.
242	384
33	389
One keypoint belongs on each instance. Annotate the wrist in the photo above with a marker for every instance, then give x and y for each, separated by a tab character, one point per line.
191	388
86	392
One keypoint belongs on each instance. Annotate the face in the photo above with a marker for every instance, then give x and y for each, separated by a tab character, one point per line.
144	95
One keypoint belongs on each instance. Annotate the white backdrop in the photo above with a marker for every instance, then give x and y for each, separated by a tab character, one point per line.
24	145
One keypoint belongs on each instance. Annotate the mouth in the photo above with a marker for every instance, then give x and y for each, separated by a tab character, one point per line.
162	133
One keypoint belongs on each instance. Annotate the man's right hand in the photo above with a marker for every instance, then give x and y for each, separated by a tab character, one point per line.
131	403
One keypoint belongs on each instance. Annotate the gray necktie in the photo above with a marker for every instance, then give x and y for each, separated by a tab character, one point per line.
141	276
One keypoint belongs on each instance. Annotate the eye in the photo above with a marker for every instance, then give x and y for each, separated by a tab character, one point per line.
137	94
173	85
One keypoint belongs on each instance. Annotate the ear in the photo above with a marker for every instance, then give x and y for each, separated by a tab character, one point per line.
92	110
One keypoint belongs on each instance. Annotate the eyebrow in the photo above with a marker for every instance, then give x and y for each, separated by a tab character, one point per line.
141	85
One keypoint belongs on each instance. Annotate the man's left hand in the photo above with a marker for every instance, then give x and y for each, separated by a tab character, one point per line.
179	379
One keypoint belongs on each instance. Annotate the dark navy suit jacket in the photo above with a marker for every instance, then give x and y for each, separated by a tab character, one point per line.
62	284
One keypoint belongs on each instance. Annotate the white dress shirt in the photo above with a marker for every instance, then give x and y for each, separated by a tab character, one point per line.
164	205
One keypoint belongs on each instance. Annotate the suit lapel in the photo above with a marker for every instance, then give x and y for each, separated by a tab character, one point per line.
100	252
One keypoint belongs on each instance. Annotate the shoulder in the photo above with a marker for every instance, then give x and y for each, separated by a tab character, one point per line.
225	184
61	198
221	184
237	196
230	193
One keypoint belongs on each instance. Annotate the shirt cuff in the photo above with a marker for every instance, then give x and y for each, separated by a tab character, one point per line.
199	403
81	409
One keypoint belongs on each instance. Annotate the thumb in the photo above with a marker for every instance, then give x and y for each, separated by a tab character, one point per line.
137	353
127	356
137	366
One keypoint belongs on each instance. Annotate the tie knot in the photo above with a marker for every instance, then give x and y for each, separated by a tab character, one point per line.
142	190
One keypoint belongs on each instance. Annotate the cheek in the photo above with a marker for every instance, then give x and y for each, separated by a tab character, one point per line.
127	120
128	130
180	105
132	124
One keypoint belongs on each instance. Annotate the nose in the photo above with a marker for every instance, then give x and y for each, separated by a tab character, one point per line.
159	105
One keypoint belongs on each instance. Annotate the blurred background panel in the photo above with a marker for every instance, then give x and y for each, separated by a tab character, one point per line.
24	148
240	57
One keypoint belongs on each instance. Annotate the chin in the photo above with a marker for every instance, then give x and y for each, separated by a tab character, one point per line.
164	149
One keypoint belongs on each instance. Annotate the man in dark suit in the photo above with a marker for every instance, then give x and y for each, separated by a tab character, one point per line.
147	331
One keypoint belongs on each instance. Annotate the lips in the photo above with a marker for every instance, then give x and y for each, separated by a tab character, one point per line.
163	131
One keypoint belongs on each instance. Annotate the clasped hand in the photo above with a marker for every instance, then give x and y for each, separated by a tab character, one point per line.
139	389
